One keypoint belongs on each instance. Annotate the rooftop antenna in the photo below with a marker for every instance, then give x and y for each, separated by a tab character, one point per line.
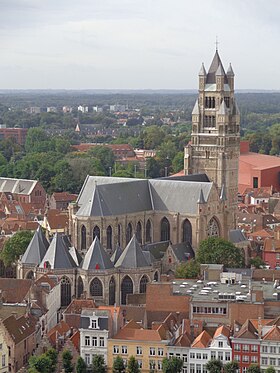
217	43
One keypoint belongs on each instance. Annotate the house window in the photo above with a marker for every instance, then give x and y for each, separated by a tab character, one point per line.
101	342
272	349
94	341
264	348
254	359
254	348
152	364
220	355
140	363
160	351
272	361
192	368
221	344
213	355
227	356
198	356
198	368
204	370
205	356
116	349
192	355
152	351
244	370
245	359
264	360
87	340
159	365
94	324
245	347
255	182
124	350
185	358
237	357
87	359
138	350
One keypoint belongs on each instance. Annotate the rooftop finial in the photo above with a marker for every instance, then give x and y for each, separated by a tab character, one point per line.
217	43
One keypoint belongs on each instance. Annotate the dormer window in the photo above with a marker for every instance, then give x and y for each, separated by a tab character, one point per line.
94	324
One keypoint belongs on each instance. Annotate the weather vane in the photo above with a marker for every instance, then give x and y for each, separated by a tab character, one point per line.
216	42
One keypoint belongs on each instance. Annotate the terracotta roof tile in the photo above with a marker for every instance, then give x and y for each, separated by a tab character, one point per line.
77	305
14	290
273	334
19	328
202	340
222	330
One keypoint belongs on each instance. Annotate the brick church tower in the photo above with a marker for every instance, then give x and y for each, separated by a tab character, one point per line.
214	147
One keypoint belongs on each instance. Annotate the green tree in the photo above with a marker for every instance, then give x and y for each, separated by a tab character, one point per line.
231	367
190	269
178	162
52	354
81	366
98	364
217	250
254	368
214	366
105	155
118	365
132	365
172	365
15	246
37	141
40	364
257	262
67	361
270	370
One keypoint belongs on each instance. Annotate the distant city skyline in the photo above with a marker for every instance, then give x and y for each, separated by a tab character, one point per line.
136	44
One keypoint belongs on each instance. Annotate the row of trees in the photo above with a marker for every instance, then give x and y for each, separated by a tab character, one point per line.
216	366
215	250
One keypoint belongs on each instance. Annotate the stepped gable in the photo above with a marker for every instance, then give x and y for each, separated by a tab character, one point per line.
116	254
36	249
96	257
132	256
57	255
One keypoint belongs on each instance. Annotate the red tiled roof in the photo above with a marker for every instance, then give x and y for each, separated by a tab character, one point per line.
19	328
64	197
133	331
202	340
273	334
260	161
14	290
77	305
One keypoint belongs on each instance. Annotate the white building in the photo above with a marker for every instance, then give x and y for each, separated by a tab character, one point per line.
95	329
83	109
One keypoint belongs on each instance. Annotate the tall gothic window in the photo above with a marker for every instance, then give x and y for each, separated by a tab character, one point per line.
187	231
30	275
128	233
119	234
109	237
96	288
126	288
80	287
164	230
213	228
143	284
96	232
139	232
148	231
83	237
65	285
112	291
156	276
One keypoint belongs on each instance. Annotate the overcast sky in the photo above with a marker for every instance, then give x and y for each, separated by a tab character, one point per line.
136	44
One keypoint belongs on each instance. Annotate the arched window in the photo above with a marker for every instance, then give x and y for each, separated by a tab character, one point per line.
83	238
164	230
119	234
96	288
30	275
156	276
112	291
96	232
213	228
148	231
143	284
80	287
128	233
109	237
65	291
187	231
126	288
139	232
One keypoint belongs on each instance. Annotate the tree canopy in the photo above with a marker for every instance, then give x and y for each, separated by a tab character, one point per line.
172	365
15	246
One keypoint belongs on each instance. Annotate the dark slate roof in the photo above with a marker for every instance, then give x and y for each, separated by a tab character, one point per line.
116	254
236	235
142	195
58	255
149	257
75	255
157	248
36	249
96	257
183	251
203	178
132	256
102	322
211	75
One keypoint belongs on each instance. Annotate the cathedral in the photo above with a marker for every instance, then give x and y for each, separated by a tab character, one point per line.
115	221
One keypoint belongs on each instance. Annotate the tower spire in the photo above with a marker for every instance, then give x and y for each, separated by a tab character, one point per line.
217	43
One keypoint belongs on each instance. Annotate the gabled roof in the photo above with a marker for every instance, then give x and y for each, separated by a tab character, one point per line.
36	249
202	71
116	254
236	236
201	198
132	256
183	341
77	305
183	251
202	340
230	71
57	255
275	321
17	186
96	257
223	110
15	290
273	334
19	328
195	108
247	331
211	75
222	330
75	255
